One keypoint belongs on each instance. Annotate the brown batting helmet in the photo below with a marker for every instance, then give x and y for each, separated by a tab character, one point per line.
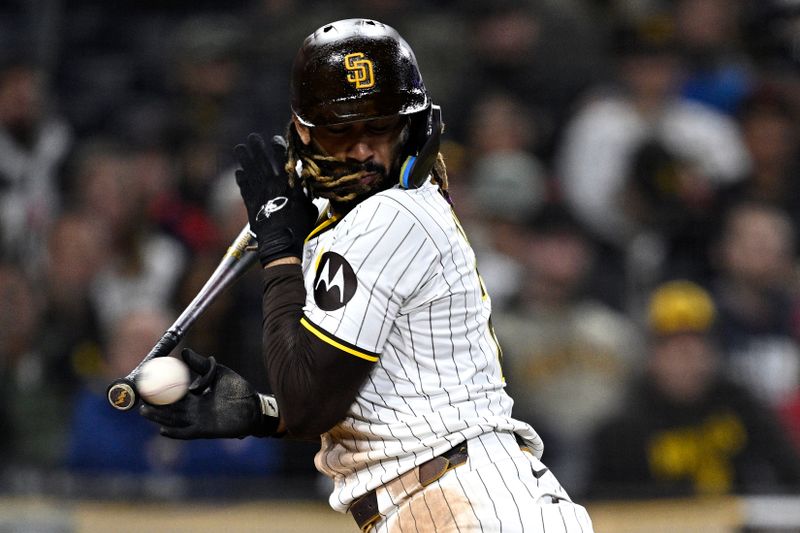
355	69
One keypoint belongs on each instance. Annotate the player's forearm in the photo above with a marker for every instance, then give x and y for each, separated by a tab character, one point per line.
313	382
284	295
283	261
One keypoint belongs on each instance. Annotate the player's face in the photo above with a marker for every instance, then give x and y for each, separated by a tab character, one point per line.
359	141
374	142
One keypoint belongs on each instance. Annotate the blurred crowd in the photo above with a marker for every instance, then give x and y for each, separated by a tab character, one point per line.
627	171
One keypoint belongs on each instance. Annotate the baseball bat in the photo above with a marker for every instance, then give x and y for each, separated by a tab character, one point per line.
122	393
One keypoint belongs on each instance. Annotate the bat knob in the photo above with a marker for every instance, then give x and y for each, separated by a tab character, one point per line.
122	395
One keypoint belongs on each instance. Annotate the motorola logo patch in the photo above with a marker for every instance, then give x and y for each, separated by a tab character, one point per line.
335	282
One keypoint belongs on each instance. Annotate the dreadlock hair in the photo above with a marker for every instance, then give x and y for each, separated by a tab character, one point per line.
319	172
440	176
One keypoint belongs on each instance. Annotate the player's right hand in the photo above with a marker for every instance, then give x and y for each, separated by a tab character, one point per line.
280	215
220	403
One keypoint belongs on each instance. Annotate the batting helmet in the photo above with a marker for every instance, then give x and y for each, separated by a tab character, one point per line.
353	70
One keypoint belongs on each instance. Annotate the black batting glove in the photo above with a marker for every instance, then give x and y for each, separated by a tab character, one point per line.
220	403
280	216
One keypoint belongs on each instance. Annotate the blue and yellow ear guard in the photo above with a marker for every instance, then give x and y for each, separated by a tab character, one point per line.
417	166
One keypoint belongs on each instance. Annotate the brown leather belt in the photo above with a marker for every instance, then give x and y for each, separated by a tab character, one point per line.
365	509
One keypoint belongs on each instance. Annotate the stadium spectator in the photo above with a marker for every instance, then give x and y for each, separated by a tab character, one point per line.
541	53
504	184
640	124
142	265
34	143
756	293
595	155
70	333
718	72
769	125
685	428
567	356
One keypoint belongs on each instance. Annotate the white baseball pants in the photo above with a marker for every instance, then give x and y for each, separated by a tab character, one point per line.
500	488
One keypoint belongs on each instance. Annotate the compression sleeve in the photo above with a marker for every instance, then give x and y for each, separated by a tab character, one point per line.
314	381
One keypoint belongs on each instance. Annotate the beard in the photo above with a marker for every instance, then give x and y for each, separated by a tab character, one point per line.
345	184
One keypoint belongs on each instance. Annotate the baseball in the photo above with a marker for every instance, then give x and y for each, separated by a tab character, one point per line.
163	380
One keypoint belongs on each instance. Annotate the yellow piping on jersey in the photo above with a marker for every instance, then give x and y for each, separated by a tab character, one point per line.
319	258
319	229
337	344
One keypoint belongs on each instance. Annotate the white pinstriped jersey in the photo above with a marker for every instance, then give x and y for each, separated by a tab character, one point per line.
394	282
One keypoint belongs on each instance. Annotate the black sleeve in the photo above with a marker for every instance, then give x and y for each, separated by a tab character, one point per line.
315	382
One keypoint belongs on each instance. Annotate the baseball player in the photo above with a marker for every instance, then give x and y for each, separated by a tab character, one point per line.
377	330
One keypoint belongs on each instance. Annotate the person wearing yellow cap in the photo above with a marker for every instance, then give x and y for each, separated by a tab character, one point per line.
686	429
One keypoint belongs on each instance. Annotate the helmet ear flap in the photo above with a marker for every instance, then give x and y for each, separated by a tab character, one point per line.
424	147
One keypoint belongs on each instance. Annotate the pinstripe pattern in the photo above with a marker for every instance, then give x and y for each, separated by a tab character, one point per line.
495	491
419	304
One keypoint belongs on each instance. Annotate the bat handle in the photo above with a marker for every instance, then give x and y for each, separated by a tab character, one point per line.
122	393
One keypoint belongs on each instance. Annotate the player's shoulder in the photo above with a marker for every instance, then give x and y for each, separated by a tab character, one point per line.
422	202
397	208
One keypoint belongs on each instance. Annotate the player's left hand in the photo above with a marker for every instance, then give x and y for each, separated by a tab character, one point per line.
281	216
220	403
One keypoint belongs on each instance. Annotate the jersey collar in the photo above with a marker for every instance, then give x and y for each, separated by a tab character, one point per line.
323	226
